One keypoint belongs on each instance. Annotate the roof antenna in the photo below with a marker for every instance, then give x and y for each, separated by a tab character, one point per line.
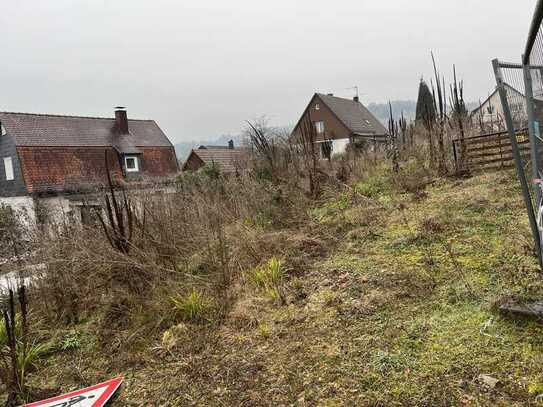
356	97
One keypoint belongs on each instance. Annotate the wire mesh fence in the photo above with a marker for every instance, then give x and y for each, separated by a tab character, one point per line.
520	89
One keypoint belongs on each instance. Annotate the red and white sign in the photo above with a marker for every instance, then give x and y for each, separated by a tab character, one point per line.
94	396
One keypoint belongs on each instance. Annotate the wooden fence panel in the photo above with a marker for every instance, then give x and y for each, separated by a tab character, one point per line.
491	151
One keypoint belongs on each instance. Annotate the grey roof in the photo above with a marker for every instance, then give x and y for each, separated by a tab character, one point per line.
354	115
76	131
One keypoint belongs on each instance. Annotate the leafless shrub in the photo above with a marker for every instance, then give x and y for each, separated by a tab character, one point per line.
261	138
431	226
305	142
13	236
118	226
192	237
15	353
441	118
460	118
413	178
393	135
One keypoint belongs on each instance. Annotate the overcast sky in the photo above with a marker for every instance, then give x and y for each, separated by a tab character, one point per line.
200	68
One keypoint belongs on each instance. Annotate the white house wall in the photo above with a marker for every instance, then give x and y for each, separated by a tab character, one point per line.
57	208
339	146
60	210
495	121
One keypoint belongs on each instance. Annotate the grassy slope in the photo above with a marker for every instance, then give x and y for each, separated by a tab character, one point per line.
398	312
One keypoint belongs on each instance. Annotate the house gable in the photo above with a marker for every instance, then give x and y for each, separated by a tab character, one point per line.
193	162
342	118
317	111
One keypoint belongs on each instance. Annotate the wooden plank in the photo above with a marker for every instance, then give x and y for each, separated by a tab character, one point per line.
503	140
489	161
501	152
520	138
496	149
496	146
498	133
495	143
493	151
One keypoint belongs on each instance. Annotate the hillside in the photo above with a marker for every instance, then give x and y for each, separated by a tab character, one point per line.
389	299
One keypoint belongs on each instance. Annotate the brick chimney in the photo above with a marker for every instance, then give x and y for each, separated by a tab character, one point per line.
231	145
121	120
356	99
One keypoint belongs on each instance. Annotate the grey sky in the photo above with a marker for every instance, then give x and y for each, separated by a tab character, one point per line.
200	68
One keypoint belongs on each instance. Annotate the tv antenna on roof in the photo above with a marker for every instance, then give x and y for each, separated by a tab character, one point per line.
355	88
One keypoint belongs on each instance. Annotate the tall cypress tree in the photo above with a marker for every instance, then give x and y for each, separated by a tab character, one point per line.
426	111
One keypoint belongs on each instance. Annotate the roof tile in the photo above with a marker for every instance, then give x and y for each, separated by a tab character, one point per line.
76	131
354	115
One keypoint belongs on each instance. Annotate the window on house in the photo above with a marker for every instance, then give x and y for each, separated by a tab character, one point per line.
3	131
8	168
317	106
131	163
326	150
319	127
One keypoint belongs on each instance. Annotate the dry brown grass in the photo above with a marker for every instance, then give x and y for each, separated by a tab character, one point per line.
361	267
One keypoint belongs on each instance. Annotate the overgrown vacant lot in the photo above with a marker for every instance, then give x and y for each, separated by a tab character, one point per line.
382	299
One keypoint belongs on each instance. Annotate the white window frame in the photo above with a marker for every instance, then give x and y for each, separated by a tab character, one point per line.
136	162
8	169
319	127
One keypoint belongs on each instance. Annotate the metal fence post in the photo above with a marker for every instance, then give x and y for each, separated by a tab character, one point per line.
518	160
534	141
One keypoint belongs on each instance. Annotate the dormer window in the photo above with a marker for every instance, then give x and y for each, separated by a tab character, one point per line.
131	163
8	168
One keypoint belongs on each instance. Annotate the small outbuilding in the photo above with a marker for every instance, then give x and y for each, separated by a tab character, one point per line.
229	159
